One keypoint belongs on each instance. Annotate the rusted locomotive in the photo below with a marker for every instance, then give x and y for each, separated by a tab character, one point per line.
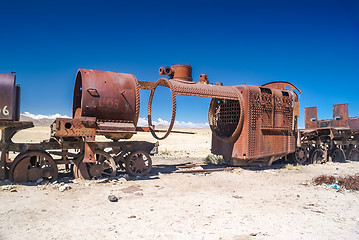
259	123
105	103
335	139
249	124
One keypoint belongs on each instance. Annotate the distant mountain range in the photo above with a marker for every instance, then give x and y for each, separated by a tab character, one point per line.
47	120
37	122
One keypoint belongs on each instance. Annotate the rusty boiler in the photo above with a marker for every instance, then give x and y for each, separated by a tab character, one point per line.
113	99
258	128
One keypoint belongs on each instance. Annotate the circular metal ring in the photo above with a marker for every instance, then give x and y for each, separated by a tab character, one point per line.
164	82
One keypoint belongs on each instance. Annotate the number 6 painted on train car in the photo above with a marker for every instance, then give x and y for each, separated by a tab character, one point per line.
5	111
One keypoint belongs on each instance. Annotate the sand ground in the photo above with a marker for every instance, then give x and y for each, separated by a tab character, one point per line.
253	203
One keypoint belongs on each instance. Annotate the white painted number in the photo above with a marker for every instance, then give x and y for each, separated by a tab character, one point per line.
5	111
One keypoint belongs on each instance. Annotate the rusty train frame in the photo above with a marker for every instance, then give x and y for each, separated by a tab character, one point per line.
249	124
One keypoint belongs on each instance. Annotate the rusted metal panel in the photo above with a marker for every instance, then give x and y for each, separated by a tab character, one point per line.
340	115
112	98
310	117
353	122
267	126
9	98
340	119
77	127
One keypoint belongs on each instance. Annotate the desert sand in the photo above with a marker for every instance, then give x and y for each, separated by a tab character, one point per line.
278	202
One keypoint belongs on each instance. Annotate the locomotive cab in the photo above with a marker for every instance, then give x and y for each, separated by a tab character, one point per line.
9	98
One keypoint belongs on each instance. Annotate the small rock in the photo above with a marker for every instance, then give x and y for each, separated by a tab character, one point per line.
122	180
298	195
126	176
112	198
133	216
102	180
238	197
64	187
9	188
6	188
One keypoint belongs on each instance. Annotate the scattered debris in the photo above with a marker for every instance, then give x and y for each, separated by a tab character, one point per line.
64	187
254	234
112	198
348	182
324	179
305	183
103	180
201	170
9	188
317	211
133	216
238	197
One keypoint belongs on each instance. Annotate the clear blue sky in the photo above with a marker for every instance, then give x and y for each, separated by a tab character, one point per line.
313	44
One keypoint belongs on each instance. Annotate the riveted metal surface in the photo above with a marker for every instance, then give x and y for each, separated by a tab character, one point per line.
267	131
310	117
9	98
203	90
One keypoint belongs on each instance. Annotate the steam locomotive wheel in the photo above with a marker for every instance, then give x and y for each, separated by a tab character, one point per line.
32	166
138	163
338	155
316	156
353	154
104	166
301	155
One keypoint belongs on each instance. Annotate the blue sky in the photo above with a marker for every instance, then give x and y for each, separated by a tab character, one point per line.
313	44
